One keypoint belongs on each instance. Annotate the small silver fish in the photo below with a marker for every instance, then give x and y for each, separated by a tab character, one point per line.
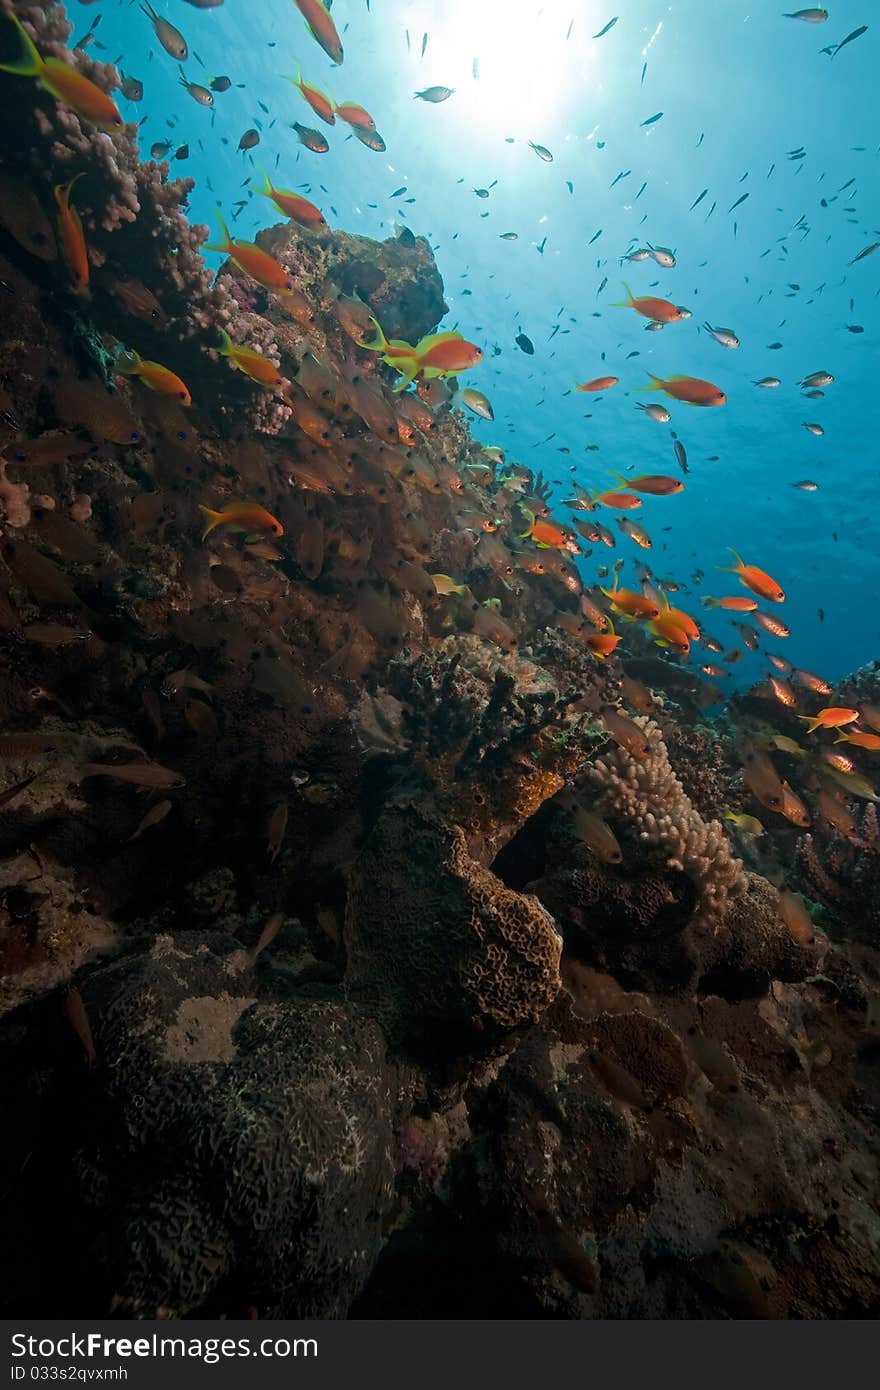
655	412
662	255
725	336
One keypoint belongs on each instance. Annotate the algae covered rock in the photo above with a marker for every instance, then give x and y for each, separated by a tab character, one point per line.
230	1144
436	944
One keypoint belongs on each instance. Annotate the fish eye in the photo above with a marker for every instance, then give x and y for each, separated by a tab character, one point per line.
615	856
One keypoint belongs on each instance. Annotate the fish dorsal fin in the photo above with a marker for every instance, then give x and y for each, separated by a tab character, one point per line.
435	339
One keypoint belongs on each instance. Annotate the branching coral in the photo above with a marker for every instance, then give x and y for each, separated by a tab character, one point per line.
647	795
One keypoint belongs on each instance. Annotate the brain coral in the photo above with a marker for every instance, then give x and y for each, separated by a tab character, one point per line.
436	944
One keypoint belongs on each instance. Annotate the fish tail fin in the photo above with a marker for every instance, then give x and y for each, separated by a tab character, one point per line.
126	361
531	515
269	190
625	303
227	239
620	478
225	348
409	369
63	190
658	384
733	569
381	344
29	63
212	519
708	602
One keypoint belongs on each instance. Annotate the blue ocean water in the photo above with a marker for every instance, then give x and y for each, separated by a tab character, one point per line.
742	89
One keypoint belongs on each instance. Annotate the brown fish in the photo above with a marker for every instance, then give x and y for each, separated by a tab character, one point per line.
89	405
44	581
267	935
138	774
154	816
54	634
140	302
49	448
28	745
75	1009
275	828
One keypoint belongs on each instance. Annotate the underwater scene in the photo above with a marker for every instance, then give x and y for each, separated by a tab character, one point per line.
439	660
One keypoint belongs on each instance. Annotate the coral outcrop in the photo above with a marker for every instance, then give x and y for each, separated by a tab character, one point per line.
437	945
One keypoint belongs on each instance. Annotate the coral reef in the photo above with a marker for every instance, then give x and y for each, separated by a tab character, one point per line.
310	968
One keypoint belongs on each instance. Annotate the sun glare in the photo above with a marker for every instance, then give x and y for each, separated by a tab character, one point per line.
510	62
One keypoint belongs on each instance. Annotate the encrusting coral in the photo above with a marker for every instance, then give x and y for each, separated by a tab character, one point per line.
436	943
843	873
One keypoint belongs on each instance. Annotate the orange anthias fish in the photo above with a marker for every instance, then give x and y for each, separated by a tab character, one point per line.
602	644
71	236
321	27
318	100
64	83
549	535
669	633
253	364
732	602
153	375
255	262
689	389
248	517
600	383
293	205
620	501
753	578
659	310
438	354
682	620
631	604
355	116
653	484
830	718
861	739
